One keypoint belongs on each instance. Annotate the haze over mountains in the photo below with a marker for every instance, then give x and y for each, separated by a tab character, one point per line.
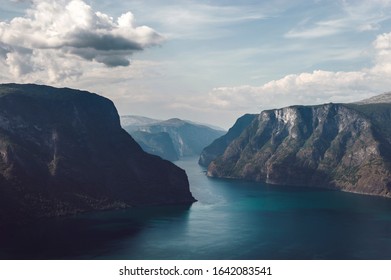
63	151
170	139
341	146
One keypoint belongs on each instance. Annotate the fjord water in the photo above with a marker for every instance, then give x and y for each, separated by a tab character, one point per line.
231	220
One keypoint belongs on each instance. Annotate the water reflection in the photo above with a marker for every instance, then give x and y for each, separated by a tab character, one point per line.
231	220
85	236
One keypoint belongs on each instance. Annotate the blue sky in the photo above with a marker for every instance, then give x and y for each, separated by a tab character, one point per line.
207	61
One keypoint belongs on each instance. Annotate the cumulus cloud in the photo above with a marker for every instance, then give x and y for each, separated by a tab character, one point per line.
312	88
63	29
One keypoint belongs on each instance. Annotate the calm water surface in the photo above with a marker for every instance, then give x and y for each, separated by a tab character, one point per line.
231	220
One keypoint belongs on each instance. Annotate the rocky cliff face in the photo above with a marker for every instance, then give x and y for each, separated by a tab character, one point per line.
63	151
346	147
217	147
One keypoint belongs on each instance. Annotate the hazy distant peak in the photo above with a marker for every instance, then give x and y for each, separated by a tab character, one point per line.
187	137
174	121
135	120
179	122
381	98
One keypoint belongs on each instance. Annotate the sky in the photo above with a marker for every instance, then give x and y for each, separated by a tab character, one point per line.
205	61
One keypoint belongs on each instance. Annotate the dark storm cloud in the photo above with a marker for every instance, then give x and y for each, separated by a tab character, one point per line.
102	42
72	27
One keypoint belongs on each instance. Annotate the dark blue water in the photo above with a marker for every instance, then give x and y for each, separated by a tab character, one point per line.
231	220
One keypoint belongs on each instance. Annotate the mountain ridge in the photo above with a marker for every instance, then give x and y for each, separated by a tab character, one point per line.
381	98
135	120
340	146
188	138
217	147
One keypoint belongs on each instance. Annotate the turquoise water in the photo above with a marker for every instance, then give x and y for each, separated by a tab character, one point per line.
231	220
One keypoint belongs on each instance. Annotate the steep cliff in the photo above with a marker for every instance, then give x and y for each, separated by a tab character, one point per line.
342	146
217	147
63	151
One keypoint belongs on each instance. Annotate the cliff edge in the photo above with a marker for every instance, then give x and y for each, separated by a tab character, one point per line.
341	146
63	151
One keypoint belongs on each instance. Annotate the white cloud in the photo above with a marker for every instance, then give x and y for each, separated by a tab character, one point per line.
382	46
211	43
200	21
18	64
356	15
320	29
312	88
57	35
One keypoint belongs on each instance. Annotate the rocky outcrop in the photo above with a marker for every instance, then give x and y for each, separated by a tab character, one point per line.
218	146
63	151
341	146
187	137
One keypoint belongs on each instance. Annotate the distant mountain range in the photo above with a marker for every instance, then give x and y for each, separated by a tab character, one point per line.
170	139
63	151
132	122
341	146
381	98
